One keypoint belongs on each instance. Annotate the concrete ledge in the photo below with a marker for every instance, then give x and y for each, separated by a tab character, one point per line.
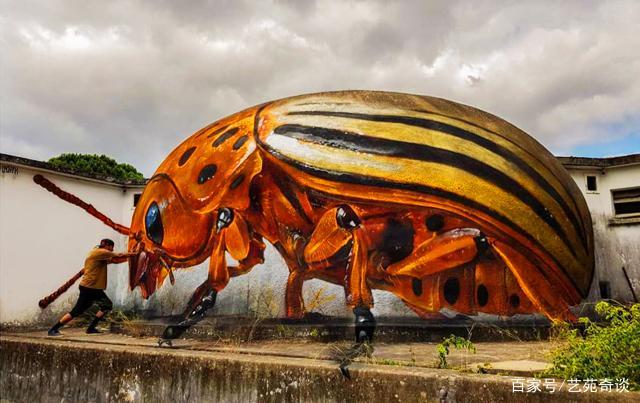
49	370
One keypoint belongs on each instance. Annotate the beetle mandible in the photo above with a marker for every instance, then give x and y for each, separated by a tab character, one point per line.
440	203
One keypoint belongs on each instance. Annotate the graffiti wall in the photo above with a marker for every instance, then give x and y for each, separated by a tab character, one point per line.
371	202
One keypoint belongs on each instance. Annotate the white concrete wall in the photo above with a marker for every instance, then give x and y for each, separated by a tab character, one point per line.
44	240
616	245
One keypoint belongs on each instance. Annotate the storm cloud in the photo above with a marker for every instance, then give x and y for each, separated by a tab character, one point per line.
132	79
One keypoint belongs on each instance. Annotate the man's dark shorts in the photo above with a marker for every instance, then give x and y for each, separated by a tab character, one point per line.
89	296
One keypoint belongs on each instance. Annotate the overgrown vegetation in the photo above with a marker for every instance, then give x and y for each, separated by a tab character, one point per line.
96	165
318	300
263	303
610	351
457	342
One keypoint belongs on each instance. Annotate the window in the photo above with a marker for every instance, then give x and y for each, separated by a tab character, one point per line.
592	185
626	202
136	198
605	290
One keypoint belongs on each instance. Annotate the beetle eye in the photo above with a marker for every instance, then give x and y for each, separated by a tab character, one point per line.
153	224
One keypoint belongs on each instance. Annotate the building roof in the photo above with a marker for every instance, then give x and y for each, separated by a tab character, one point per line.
608	162
568	162
48	167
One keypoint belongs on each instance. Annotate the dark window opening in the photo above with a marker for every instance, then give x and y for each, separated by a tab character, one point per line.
136	199
605	290
626	202
592	185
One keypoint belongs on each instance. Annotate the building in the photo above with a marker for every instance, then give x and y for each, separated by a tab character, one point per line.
611	187
43	241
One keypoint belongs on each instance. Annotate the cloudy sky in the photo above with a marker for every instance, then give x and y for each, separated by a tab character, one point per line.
131	79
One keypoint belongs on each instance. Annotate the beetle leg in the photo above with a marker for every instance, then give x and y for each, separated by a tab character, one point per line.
254	257
359	295
294	301
204	298
201	301
443	252
534	284
238	240
327	238
337	229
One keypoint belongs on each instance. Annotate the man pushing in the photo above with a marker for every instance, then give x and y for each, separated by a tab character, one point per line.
94	281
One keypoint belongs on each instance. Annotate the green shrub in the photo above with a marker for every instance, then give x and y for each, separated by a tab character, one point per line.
452	341
96	165
610	351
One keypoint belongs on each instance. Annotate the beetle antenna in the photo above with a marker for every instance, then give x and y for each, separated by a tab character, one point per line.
73	199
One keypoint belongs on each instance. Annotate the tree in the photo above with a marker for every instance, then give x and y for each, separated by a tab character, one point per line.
96	165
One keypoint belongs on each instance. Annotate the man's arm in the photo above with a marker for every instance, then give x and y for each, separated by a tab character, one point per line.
121	257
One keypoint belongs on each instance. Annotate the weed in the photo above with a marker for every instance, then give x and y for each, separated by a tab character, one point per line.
605	352
484	367
318	300
346	355
452	341
120	316
264	304
284	332
413	356
126	320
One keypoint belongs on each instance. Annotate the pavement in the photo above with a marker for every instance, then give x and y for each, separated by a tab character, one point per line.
522	358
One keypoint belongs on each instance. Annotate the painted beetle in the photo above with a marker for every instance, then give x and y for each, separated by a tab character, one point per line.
437	202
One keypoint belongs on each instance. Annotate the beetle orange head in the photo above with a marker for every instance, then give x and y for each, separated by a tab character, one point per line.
173	224
167	232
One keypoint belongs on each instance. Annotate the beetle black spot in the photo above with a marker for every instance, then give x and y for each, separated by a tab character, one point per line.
514	300
207	173
218	131
451	290
185	156
240	142
482	295
397	240
225	136
416	285
237	181
435	222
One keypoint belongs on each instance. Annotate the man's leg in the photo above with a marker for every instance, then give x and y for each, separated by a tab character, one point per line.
84	302
105	305
55	329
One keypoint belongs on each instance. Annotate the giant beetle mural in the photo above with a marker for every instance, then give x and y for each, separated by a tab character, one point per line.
439	203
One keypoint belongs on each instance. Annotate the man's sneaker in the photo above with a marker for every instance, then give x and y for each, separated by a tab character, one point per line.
54	332
93	330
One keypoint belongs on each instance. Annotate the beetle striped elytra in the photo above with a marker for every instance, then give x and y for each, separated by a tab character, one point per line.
437	202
